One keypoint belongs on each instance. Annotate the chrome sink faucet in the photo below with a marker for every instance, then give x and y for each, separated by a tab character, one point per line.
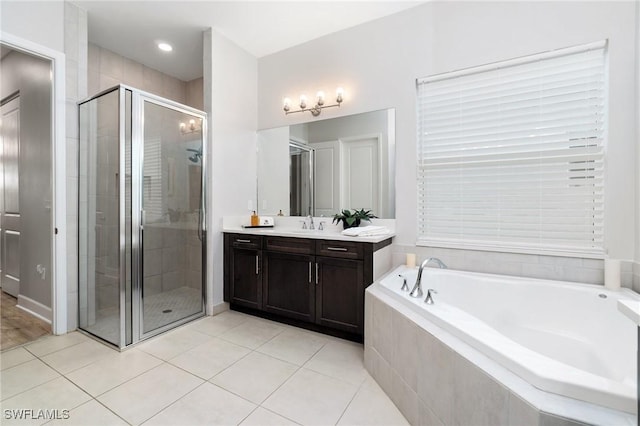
417	288
311	225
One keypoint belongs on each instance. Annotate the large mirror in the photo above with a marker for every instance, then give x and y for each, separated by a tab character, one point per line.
324	166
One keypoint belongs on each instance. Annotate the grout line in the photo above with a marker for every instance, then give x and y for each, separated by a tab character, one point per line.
351	400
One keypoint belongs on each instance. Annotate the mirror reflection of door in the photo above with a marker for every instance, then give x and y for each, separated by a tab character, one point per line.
301	179
327	178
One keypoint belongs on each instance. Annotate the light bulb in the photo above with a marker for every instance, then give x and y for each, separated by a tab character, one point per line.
165	47
320	96
287	104
303	101
339	93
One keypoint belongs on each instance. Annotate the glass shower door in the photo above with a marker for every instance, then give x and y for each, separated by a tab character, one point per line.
171	285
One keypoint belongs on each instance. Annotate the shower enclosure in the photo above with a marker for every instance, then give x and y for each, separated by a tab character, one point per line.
141	216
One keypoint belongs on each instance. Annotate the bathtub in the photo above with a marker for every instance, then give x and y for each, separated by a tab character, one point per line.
567	339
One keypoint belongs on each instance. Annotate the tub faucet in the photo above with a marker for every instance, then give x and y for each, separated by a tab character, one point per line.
417	288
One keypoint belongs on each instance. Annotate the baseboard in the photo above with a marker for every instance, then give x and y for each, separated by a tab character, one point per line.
34	308
219	308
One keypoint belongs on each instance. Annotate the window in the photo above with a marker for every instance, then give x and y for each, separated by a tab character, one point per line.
511	155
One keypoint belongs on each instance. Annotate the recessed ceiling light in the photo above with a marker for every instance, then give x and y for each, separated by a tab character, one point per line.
166	47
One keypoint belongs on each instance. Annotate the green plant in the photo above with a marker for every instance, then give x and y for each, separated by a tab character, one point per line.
352	219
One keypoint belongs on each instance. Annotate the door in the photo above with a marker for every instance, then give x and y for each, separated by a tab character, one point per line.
289	285
246	270
10	203
172	238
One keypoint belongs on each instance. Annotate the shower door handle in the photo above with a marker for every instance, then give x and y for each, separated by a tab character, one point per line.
142	218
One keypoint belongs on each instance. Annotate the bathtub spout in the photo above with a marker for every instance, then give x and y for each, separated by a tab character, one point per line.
417	288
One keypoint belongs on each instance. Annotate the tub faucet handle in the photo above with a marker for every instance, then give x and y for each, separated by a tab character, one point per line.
404	287
429	300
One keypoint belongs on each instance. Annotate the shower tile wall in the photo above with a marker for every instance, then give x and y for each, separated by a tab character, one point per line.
107	225
75	49
108	69
172	258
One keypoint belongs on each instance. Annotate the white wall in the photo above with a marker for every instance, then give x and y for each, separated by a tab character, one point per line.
36	21
230	92
377	64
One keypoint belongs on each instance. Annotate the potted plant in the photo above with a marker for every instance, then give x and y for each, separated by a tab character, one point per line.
351	219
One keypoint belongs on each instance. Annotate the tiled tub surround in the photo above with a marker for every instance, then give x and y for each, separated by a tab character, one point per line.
443	380
575	269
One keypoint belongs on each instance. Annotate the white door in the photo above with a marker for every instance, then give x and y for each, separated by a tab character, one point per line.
10	204
359	185
327	178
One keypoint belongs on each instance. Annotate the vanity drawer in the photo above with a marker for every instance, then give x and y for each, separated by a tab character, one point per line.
341	249
246	241
289	245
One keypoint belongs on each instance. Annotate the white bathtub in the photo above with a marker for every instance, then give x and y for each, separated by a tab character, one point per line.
564	338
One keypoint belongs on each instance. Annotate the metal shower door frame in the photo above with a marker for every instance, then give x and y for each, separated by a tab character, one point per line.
139	98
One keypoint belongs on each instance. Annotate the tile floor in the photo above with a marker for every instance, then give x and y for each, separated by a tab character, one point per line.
224	370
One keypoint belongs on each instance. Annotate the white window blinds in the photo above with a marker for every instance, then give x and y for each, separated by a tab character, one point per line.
511	155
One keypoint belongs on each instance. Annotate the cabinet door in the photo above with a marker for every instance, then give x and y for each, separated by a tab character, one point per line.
289	285
246	278
340	294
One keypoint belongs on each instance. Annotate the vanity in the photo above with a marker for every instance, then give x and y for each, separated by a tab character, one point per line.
313	280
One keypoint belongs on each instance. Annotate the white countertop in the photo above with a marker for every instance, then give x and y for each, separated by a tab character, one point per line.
630	308
306	233
291	226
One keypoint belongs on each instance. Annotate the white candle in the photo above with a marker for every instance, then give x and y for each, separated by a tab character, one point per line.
612	274
411	260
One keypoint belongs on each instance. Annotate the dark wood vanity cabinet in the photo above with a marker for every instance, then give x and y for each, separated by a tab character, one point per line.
317	284
245	265
288	287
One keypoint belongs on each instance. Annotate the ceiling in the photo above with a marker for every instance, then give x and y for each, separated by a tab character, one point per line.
133	28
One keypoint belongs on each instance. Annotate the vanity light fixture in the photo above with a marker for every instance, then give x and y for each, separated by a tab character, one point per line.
191	127
318	107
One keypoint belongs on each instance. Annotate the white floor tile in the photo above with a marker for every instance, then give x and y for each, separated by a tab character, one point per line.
262	417
24	377
77	356
90	413
144	396
220	323
293	346
113	370
340	360
13	357
207	405
210	358
51	344
252	333
371	406
255	376
58	394
311	398
173	343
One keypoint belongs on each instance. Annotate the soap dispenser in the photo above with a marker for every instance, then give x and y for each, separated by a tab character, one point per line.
255	219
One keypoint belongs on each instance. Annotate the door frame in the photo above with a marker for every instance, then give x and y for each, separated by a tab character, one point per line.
58	154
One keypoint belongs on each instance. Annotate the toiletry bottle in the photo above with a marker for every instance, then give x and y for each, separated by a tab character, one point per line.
255	219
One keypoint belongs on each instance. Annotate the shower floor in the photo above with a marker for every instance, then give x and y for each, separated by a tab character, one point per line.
158	310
